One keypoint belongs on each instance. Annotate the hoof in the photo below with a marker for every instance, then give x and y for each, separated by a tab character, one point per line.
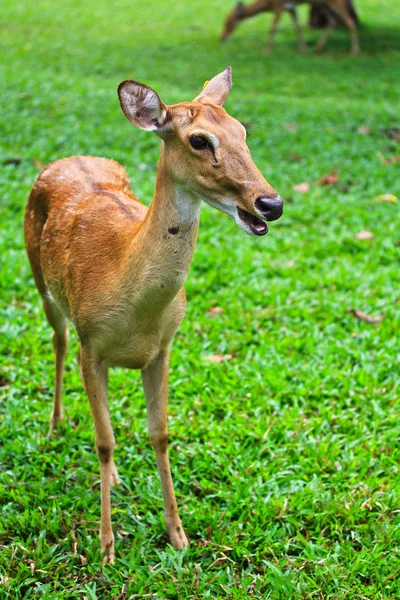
177	536
107	550
109	558
54	420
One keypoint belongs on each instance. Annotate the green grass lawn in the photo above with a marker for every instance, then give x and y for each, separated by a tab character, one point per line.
286	456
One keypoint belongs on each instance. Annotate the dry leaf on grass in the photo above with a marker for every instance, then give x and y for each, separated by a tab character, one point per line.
215	310
372	319
38	164
364	130
293	127
391	160
330	179
217	358
387	198
296	157
393	133
365	235
302	187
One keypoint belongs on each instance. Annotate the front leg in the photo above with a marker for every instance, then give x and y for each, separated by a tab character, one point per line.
299	31
272	31
155	383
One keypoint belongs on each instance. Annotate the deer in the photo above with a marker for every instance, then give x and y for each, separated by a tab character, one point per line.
116	269
338	8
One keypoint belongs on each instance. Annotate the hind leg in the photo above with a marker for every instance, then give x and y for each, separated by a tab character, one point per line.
299	31
326	33
60	342
341	9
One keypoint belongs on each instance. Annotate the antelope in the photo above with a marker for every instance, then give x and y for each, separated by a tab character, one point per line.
116	269
339	8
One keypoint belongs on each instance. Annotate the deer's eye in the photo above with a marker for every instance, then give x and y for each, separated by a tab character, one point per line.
198	142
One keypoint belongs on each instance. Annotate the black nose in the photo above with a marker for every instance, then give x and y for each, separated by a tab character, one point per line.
270	208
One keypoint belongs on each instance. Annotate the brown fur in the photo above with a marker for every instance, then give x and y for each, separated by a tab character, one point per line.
114	268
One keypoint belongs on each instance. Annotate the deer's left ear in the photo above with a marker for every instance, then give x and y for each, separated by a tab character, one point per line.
217	89
142	106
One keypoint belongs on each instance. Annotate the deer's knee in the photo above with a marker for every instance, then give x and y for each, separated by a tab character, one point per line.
159	440
105	451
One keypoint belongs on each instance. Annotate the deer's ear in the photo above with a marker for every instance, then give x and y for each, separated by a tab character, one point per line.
142	106
217	89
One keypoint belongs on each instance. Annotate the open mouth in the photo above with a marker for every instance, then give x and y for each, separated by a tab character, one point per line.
257	226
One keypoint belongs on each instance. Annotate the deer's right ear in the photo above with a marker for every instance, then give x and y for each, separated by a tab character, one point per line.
142	106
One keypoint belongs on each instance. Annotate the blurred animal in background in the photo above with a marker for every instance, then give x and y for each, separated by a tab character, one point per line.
330	11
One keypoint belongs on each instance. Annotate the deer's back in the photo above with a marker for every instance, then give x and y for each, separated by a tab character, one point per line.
85	214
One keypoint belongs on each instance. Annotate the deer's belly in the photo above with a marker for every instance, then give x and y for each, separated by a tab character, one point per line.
132	356
134	341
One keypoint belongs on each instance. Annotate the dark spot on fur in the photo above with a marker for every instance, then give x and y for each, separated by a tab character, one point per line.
104	453
173	230
178	529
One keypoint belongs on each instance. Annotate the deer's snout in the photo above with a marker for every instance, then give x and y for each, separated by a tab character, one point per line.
268	208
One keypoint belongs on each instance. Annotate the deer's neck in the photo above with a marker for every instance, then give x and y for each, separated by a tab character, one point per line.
167	236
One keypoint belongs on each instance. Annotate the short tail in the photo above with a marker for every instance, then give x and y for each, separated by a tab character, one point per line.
36	214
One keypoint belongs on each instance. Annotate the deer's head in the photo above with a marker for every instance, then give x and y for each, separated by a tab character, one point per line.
205	151
232	20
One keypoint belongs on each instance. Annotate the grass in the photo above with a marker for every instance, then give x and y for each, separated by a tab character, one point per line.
285	457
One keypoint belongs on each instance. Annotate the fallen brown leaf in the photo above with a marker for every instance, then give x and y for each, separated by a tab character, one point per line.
284	508
216	310
372	319
329	179
302	187
391	160
38	164
387	198
295	157
393	133
292	127
217	358
365	235
364	130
